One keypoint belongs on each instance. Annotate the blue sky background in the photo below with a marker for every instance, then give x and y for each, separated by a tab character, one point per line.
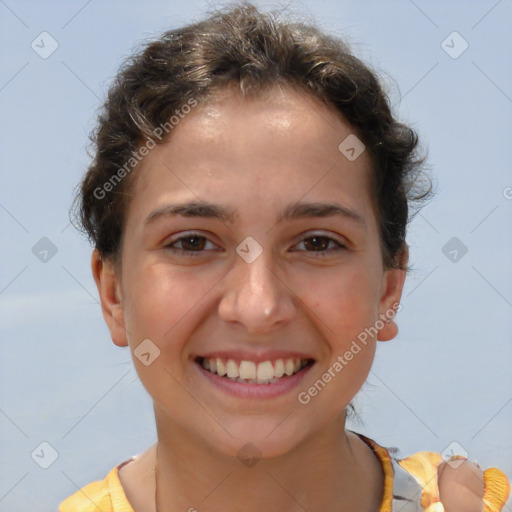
446	378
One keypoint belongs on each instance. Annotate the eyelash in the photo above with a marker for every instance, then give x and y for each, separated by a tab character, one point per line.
187	252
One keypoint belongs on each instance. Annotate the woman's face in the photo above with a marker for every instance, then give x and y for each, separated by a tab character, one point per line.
274	278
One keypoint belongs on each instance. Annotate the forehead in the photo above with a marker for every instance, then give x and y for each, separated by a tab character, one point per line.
279	146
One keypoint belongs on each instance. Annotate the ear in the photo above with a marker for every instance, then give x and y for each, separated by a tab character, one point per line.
109	288
392	286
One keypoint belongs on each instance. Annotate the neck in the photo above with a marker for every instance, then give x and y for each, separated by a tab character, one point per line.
332	471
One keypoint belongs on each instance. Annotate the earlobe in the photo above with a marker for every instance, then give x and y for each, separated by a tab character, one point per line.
109	289
388	332
393	284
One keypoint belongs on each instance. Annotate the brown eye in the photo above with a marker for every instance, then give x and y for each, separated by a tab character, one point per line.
320	244
190	244
317	243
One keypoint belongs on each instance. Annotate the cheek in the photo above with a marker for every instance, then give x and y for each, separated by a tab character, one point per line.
163	307
344	300
161	302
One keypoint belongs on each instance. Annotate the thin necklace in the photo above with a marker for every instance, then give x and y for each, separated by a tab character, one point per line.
156	479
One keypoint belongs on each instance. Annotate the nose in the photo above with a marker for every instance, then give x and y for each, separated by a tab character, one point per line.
256	297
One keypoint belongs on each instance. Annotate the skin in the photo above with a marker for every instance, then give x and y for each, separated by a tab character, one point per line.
461	487
273	150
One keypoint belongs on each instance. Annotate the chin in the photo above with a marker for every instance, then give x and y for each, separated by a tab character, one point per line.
260	438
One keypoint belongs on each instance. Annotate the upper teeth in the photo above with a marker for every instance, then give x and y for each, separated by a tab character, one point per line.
249	370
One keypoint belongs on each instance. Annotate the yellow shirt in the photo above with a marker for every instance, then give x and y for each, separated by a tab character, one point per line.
410	484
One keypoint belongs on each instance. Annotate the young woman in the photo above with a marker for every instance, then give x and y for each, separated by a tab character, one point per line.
248	204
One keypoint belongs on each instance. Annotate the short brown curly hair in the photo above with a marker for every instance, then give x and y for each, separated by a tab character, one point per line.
252	50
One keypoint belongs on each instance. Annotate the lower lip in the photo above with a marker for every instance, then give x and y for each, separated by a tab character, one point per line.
247	390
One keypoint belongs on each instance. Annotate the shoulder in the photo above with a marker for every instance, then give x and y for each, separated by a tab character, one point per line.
98	495
95	494
458	484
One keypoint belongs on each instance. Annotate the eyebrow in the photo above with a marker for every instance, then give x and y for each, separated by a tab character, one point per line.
224	214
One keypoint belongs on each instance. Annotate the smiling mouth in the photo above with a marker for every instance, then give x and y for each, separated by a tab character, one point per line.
249	372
